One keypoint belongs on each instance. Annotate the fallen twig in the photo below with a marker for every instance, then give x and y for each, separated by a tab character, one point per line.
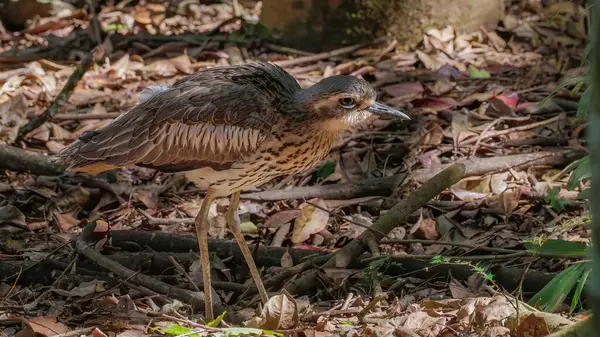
448	243
165	221
159	264
369	187
495	257
491	134
394	217
326	55
19	160
481	166
538	141
96	55
81	117
81	245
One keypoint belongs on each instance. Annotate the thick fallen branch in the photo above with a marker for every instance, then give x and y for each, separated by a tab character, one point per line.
394	217
82	246
166	242
157	264
19	160
178	246
369	187
480	166
62	98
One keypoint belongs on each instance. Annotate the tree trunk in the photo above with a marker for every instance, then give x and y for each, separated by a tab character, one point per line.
317	25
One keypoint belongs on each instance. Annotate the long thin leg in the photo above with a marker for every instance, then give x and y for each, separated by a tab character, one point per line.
201	224
233	221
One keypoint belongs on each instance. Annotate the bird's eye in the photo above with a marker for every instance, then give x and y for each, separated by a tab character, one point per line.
347	102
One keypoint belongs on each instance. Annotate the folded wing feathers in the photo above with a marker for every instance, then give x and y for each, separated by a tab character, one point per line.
187	122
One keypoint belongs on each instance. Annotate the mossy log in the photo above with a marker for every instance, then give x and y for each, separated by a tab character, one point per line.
317	25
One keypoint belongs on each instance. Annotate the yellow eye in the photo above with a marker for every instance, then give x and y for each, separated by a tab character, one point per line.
347	102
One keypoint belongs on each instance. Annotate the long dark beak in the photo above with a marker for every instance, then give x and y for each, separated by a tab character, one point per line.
382	109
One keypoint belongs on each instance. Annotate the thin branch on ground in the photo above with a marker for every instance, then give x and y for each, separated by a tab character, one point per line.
81	244
19	160
83	116
369	187
96	55
390	220
486	135
327	55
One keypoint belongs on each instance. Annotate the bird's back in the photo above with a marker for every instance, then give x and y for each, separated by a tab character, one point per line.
212	119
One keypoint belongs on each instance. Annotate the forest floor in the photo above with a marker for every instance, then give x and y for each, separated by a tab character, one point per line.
465	263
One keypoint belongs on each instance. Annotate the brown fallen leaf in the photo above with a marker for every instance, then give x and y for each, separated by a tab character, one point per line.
12	215
435	136
58	132
498	331
435	103
458	290
65	221
13	115
72	197
425	228
472	188
404	90
280	312
506	203
147	197
311	220
280	218
43	325
287	260
54	146
182	63
460	128
84	96
533	326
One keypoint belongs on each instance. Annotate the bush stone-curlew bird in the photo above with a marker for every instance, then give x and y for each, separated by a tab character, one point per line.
229	129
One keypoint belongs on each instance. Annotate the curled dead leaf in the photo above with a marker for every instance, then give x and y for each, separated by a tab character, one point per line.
311	220
425	228
472	188
287	260
280	218
533	326
435	136
12	215
280	312
65	221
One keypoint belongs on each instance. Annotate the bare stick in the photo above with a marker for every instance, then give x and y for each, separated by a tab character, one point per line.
386	223
81	117
491	134
480	166
196	299
65	93
326	55
19	160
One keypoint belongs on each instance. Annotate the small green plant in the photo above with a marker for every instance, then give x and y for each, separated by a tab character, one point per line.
479	269
572	278
555	201
325	170
176	330
377	266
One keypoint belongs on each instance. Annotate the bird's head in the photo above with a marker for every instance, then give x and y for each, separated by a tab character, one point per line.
343	101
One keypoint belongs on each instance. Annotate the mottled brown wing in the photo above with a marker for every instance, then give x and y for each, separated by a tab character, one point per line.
202	120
